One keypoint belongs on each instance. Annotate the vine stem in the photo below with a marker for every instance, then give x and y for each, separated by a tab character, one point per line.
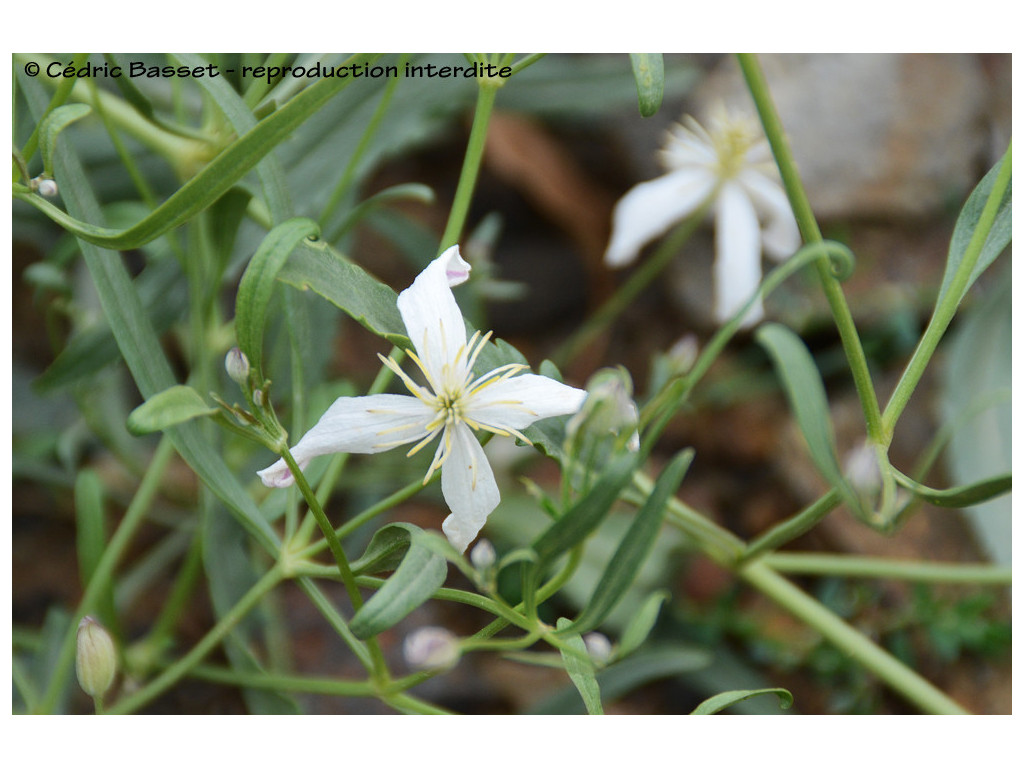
112	555
897	675
487	93
811	233
178	669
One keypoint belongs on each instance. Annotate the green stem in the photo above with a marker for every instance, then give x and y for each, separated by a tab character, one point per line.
291	683
486	95
348	175
329	612
946	309
180	668
175	605
801	205
883	568
326	528
898	676
793	527
101	577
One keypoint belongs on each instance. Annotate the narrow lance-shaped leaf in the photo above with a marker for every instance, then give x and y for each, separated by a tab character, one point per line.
643	621
649	73
998	236
581	670
420	575
168	408
635	546
91	539
587	513
805	391
230	165
257	284
53	124
962	495
316	266
386	549
728	698
137	341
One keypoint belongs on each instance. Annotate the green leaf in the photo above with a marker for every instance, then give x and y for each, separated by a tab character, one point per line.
54	123
257	284
160	288
420	575
414	192
587	513
635	546
371	303
629	674
169	408
997	239
640	626
386	549
962	495
138	343
649	73
199	192
91	539
581	670
232	570
805	391
727	699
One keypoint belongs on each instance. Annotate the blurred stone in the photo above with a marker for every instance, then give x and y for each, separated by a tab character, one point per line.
878	134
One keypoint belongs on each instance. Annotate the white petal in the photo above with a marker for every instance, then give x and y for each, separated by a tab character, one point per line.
650	208
468	487
431	316
780	235
368	424
737	254
522	400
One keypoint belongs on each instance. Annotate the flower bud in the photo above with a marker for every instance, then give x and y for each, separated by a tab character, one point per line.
431	648
683	354
47	188
598	646
862	468
483	555
237	365
96	660
608	410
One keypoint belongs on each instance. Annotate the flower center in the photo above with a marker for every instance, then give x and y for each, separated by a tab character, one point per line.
732	139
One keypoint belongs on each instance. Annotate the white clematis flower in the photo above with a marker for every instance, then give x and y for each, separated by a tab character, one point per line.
732	165
453	405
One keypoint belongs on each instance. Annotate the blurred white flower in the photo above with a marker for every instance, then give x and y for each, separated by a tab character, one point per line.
730	164
599	647
483	555
454	404
431	648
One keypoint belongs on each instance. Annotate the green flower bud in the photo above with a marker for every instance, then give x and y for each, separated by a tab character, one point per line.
609	410
96	660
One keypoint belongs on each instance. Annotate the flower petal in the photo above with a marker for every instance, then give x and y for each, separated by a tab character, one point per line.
467	483
431	316
368	424
780	235
521	400
650	208
737	254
